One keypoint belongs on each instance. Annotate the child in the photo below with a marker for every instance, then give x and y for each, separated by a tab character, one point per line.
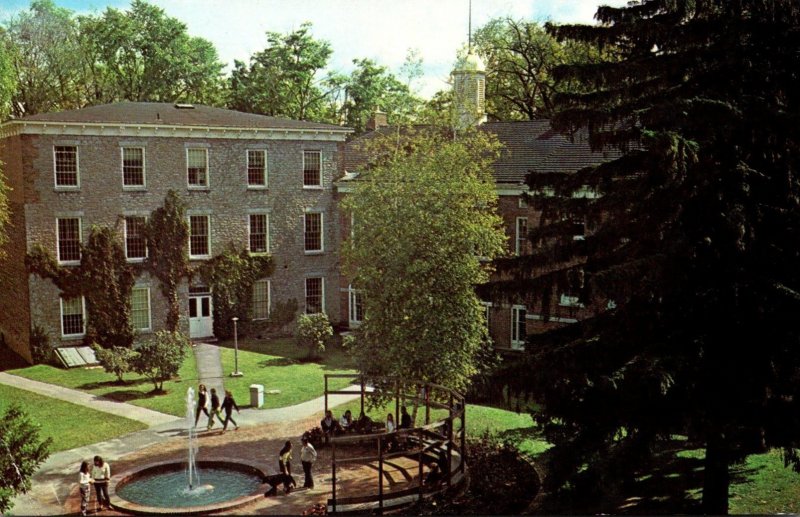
228	404
85	480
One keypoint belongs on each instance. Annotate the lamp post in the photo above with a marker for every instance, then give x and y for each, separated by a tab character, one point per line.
236	372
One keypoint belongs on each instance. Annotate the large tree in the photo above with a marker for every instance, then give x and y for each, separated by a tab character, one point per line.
696	241
424	226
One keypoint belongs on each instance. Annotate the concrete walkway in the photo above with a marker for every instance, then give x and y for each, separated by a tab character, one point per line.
123	409
209	367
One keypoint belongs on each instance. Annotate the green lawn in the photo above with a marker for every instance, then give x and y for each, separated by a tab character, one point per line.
277	365
69	425
137	390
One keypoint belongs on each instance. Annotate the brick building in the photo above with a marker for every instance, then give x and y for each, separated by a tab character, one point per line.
259	182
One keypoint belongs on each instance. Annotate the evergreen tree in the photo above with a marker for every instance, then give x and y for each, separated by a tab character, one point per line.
695	238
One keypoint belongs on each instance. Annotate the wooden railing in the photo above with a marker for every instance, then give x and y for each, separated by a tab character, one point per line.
440	438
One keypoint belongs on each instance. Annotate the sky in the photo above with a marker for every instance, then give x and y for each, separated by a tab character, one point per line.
383	30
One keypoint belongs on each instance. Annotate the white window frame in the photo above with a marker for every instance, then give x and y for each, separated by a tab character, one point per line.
519	241
143	186
125	240
208	170
61	318
265	183
352	313
149	327
249	233
208	236
305	298
269	299
487	307
58	242
321	232
516	342
312	187
77	168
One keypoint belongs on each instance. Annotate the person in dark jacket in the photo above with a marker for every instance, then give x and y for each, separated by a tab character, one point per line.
228	404
202	403
214	410
405	419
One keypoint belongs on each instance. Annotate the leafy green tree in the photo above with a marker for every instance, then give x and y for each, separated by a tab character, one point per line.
284	79
107	281
117	360
425	224
168	255
313	330
42	44
160	357
21	453
695	241
8	80
144	55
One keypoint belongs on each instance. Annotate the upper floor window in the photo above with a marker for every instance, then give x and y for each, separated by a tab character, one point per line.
197	167
518	327
256	168
313	232
66	165
199	236
259	233
133	167
69	239
521	237
135	242
260	306
356	306
312	169
73	323
315	295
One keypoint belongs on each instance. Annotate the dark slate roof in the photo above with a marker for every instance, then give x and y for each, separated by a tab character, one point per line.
166	113
527	146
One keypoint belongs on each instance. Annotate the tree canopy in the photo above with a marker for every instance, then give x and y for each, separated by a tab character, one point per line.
694	239
424	226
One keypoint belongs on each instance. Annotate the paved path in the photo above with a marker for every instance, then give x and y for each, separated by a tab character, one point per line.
147	416
209	367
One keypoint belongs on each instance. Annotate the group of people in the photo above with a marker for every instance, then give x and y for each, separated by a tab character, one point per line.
332	427
308	455
99	475
227	405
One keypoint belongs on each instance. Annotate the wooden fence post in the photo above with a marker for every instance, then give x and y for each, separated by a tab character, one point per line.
326	394
396	402
380	474
333	474
427	404
450	443
421	450
362	394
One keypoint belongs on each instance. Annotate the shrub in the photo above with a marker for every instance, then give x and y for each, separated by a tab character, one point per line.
312	332
160	358
23	452
117	360
41	351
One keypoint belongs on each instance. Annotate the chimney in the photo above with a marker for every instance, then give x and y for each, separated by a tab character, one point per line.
377	120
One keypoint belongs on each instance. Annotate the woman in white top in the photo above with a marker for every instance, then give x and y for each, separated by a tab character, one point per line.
85	479
390	428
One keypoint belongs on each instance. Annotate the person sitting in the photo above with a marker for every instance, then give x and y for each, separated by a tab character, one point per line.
363	425
405	419
346	422
329	425
391	439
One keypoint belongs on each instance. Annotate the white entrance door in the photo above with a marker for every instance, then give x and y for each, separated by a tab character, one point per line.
201	322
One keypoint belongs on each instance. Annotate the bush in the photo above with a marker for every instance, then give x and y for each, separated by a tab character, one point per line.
41	351
312	332
160	358
23	452
117	360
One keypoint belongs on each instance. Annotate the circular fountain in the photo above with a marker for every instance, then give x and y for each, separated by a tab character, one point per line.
190	487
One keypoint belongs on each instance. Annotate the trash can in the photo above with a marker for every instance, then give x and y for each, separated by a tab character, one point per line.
256	395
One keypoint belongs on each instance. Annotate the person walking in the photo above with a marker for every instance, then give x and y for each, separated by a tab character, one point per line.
228	404
308	455
85	480
214	410
202	403
101	475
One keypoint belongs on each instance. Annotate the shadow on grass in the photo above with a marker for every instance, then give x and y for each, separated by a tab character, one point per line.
128	395
112	384
278	361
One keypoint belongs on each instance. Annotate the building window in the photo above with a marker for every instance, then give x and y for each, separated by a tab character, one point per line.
135	242
66	165
199	236
72	320
133	167
312	169
197	167
518	328
261	299
356	306
521	235
315	295
487	306
569	301
69	240
312	231
256	168
140	308
259	233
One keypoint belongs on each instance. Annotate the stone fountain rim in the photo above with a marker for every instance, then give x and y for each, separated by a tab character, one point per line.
121	504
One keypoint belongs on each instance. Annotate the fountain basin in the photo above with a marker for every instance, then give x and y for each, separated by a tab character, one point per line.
161	488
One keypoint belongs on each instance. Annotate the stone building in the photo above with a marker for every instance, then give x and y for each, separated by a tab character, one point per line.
258	182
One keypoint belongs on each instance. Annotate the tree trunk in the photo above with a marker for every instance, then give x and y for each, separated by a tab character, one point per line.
716	477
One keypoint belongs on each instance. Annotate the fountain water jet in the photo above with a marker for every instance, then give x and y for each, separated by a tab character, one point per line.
190	416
